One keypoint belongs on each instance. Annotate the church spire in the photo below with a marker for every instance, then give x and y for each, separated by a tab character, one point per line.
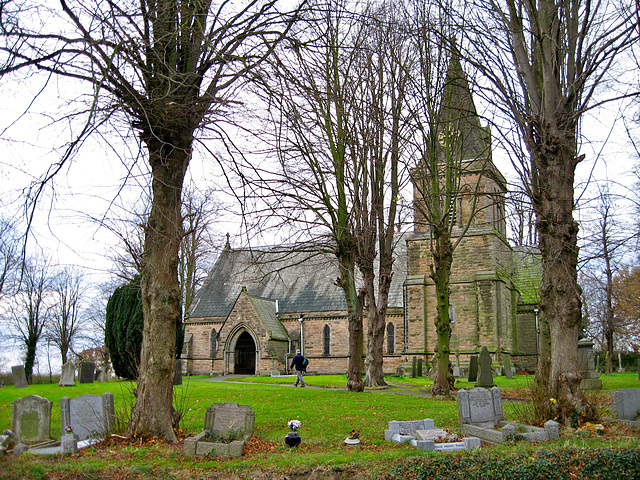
458	116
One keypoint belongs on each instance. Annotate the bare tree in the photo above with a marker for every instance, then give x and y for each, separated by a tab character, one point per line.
9	257
545	62
605	245
28	314
171	67
336	105
67	320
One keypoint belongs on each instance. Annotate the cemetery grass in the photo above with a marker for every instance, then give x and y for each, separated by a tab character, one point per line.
327	416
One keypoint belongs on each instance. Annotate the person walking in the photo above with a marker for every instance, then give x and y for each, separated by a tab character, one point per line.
297	362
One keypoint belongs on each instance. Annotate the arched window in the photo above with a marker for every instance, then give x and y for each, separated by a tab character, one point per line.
326	340
391	338
214	344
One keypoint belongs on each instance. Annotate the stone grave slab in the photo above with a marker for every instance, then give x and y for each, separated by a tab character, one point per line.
423	435
177	376
87	370
480	405
67	376
19	376
220	419
91	416
96	374
485	375
625	404
31	419
473	368
507	367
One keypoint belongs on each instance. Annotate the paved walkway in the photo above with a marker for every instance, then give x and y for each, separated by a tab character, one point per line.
396	388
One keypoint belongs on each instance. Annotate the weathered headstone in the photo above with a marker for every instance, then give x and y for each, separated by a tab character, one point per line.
96	374
103	377
177	376
625	403
90	416
220	419
480	406
508	369
587	366
67	376
87	370
31	419
473	368
485	375
19	376
419	367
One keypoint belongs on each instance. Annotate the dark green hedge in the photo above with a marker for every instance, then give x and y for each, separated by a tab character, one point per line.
599	463
123	329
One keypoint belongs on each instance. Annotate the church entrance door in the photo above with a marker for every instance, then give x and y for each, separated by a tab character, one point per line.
245	363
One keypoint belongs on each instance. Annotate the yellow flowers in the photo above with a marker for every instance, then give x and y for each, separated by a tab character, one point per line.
553	400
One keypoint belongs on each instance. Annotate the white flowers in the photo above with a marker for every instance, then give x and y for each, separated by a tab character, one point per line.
294	424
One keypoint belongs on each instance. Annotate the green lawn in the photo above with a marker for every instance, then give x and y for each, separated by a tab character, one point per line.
327	415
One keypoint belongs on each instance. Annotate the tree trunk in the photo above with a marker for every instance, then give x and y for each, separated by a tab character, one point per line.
153	412
440	273
559	290
377	314
30	357
355	304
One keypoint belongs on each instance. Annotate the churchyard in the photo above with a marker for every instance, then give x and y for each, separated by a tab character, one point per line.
327	416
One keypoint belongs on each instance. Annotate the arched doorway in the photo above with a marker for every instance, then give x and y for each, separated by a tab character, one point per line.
245	355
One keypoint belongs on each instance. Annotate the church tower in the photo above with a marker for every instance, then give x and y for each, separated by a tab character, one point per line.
482	297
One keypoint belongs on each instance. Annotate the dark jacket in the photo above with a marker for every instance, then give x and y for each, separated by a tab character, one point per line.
297	362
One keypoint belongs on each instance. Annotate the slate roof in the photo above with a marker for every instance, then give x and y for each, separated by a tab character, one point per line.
266	311
299	281
528	273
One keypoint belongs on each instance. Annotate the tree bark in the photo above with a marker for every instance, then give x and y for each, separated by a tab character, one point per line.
355	302
555	164
440	273
153	412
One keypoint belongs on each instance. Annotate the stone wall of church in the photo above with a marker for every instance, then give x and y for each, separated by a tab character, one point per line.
481	295
197	358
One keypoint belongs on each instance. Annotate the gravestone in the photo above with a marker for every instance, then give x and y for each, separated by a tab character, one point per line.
177	376
86	374
473	368
419	367
220	419
480	406
96	375
67	376
485	376
587	366
19	376
103	377
91	416
31	419
625	403
508	369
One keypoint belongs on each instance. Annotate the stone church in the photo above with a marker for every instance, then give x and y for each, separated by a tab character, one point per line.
259	305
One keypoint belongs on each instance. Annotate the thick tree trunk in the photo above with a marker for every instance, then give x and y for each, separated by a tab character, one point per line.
355	304
153	412
30	357
559	290
440	273
377	314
